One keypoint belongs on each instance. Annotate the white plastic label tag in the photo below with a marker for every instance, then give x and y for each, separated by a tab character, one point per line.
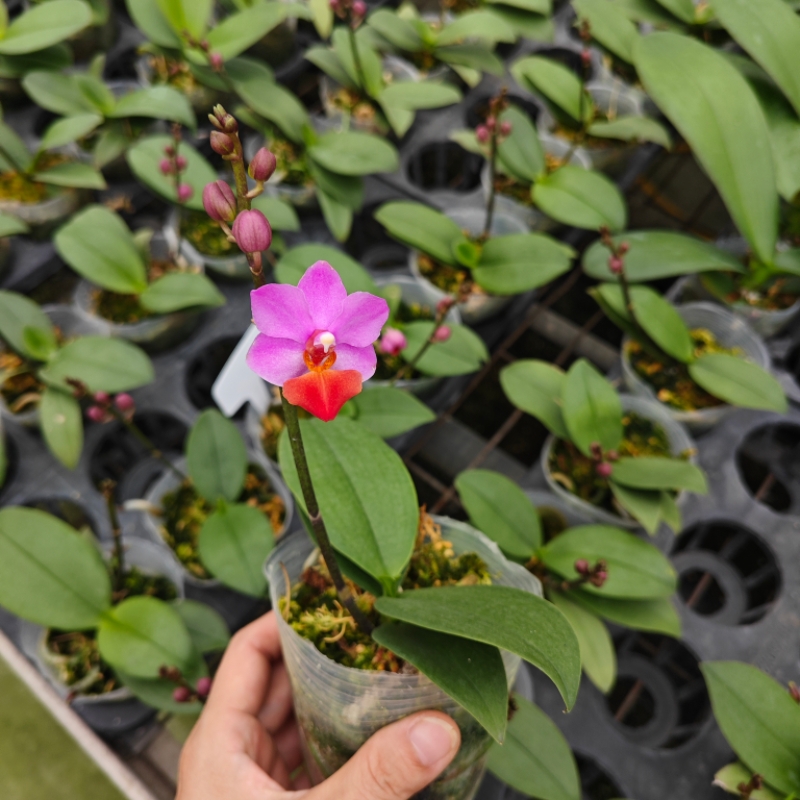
237	384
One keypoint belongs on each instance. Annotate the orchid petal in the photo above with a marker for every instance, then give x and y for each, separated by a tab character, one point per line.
280	311
324	292
276	360
323	393
363	316
363	359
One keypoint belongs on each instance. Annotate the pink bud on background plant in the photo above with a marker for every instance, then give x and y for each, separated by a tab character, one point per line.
615	264
203	687
262	166
252	231
444	305
181	163
359	8
216	61
482	134
124	402
442	334
393	342
505	128
582	566
185	192
219	201
96	414
166	166
604	469
102	397
181	694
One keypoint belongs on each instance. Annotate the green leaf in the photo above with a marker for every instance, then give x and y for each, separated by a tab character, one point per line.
477	24
659	254
636	569
462	353
537	387
98	245
580	197
715	110
207	629
738	382
632	128
516	13
759	719
592	409
18	314
643	506
156	102
68	130
104	365
420	226
598	657
656	616
684	10
216	457
49	574
234	542
557	83
365	493
396	30
62	426
72	174
322	16
45	25
670	512
143	634
281	215
414	95
520	154
370	72
54	58
470	57
652	472
178	290
470	672
242	30
293	264
150	20
11	226
187	15
41	344
344	190
338	217
499	508
536	758
354	153
13	148
520	262
508	618
328	61
3	460
387	411
609	26
145	156
729	778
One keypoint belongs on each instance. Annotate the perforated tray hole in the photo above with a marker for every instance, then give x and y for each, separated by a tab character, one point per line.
660	699
445	165
792	363
66	510
769	464
204	368
119	456
479	110
596	784
726	573
12	462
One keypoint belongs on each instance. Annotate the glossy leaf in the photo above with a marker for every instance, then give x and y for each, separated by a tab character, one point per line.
99	246
598	656
11	226
281	215
156	102
387	411
499	508
187	15
557	83
143	634
644	506
18	314
414	95
354	153
207	629
45	25
470	672
345	190
592	409
609	26
420	226
738	382
365	493
520	154
338	216
537	387
395	29
759	719
653	472
68	130
508	618
61	421
71	174
462	353
580	197
715	110
684	10
636	569
178	290
477	24
234	542
369	77
293	264
632	128
239	31
149	19
216	457
656	616
13	148
49	574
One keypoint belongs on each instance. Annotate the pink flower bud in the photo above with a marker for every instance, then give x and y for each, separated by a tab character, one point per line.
491	122
359	8
393	342
203	687
623	248
222	143
96	414
586	58
596	450
124	402
599	578
582	566
612	455
184	192
482	134
444	305
441	334
335	5
505	128
616	265
216	61
252	231
181	694
166	166
102	397
262	166
219	201
169	151
604	469
181	163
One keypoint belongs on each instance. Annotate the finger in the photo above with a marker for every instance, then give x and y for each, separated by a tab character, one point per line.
397	762
301	781
243	677
287	740
278	703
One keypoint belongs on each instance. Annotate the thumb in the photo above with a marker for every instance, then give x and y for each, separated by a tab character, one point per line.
398	761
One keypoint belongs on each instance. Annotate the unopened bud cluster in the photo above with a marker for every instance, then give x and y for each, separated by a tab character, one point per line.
350	11
616	263
597	575
603	462
104	407
184	692
173	164
492	130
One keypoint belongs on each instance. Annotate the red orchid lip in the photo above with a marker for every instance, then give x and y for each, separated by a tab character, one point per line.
323	393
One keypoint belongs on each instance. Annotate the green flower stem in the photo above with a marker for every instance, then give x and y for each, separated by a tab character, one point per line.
118	558
176	139
317	523
408	369
357	59
648	345
492	175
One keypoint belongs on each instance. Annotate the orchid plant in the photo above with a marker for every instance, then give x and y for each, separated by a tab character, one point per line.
36	34
610	458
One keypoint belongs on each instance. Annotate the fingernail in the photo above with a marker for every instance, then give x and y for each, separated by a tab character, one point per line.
432	739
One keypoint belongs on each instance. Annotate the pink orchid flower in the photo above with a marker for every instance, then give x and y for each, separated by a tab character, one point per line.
315	340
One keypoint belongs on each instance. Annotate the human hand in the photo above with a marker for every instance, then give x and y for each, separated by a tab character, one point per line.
246	743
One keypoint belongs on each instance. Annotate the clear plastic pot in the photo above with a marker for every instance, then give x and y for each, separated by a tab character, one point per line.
169	481
151	560
413	290
729	330
478	307
43	217
338	708
679	442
